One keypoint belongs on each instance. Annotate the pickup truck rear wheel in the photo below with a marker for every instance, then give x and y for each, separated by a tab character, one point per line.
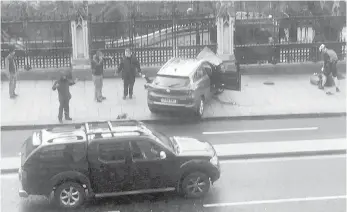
195	185
69	195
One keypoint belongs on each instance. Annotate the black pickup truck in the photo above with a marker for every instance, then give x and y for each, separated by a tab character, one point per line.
104	159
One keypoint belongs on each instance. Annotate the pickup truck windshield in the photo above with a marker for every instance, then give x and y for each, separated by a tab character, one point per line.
164	140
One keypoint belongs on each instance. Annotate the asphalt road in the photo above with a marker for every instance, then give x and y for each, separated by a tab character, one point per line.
222	132
312	184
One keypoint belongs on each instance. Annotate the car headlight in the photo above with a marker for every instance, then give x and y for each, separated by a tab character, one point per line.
214	160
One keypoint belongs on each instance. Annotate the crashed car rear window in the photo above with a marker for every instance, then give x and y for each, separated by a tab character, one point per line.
172	82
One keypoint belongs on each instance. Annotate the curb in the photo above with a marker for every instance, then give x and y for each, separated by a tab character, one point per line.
248	156
192	120
283	155
9	171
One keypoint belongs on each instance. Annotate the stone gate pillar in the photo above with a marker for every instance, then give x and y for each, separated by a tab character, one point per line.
80	42
225	30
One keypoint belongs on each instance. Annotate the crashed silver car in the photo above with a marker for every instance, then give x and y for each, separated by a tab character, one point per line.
187	84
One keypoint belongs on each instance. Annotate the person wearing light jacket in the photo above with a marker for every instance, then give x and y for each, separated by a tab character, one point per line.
98	75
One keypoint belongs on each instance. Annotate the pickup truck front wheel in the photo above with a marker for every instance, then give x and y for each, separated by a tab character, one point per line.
195	185
69	195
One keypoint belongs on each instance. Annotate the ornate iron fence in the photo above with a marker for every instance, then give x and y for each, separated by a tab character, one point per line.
153	39
41	42
287	40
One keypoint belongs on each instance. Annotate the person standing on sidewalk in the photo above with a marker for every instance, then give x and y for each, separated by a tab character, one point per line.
98	75
63	86
329	66
128	67
11	67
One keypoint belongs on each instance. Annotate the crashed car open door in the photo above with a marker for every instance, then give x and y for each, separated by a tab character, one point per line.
229	76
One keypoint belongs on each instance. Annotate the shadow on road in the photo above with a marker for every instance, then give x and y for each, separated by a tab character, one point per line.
149	202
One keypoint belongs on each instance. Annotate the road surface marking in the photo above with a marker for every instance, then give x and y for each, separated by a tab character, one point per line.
248	149
264	160
271	160
9	176
261	131
259	202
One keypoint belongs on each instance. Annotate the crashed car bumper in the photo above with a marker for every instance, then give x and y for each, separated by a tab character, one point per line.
170	107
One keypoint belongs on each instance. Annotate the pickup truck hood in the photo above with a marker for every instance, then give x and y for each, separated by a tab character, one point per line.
193	147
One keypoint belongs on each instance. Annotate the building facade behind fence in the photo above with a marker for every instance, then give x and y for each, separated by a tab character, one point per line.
261	35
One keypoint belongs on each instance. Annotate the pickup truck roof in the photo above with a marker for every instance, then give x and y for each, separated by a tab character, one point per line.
89	131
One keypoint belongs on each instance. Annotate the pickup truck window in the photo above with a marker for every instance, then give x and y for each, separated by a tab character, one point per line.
55	153
112	152
145	150
78	151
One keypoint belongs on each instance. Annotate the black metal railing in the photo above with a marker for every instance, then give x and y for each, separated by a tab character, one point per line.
288	40
154	39
41	42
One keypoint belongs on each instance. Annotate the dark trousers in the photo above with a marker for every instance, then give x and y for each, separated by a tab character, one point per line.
128	86
330	68
64	106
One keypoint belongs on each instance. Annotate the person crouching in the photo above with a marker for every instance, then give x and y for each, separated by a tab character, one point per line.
329	67
63	87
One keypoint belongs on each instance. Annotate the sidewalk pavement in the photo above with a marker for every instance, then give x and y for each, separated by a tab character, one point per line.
151	71
37	104
246	151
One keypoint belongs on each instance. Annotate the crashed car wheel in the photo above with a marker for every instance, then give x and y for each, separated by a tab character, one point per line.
69	195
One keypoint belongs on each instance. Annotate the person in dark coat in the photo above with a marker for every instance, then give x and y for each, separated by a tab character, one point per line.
63	87
128	67
11	67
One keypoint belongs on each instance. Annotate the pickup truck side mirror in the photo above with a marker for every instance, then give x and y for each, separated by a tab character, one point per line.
162	155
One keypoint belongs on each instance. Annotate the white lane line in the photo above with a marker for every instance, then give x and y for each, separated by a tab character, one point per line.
266	160
261	131
259	202
260	160
271	160
9	176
